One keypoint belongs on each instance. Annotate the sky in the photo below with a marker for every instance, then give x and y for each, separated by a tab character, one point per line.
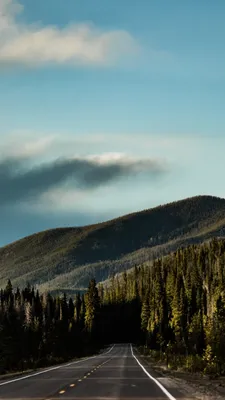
106	108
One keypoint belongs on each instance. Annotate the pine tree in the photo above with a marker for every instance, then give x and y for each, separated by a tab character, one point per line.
92	303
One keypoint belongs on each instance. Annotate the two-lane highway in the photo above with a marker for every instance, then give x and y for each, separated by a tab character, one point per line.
115	374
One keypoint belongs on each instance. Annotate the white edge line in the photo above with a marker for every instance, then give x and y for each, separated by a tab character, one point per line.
151	377
54	368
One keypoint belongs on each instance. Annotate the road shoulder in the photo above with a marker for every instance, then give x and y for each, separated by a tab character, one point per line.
189	385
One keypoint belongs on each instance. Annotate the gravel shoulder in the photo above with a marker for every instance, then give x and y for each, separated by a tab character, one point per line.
191	385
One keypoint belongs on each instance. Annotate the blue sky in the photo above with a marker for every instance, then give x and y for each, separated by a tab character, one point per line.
107	107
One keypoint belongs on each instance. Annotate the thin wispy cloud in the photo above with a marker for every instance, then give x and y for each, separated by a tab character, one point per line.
76	44
38	144
31	148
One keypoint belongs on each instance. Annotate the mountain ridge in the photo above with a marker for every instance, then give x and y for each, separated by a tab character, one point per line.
66	258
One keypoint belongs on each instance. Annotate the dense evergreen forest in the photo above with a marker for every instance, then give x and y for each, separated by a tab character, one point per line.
173	310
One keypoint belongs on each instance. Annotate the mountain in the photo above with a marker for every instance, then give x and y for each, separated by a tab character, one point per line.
66	258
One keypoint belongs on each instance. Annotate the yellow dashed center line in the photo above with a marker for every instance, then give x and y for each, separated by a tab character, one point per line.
84	377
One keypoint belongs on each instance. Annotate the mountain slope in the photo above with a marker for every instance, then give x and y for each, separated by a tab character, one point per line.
67	258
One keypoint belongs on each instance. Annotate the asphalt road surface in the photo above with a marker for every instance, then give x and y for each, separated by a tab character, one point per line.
115	374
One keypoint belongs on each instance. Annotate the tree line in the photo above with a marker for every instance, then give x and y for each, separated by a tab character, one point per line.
174	310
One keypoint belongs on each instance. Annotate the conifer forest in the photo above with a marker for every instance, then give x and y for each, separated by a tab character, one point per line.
173	310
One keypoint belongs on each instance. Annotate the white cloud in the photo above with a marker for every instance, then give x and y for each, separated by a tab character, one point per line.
26	148
139	164
108	158
33	45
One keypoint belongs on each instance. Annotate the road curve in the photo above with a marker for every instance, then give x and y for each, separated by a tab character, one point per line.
115	374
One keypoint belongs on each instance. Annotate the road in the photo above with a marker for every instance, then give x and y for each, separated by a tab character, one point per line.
115	374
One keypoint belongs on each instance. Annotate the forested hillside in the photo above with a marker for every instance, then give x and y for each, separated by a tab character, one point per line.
176	309
65	259
181	301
